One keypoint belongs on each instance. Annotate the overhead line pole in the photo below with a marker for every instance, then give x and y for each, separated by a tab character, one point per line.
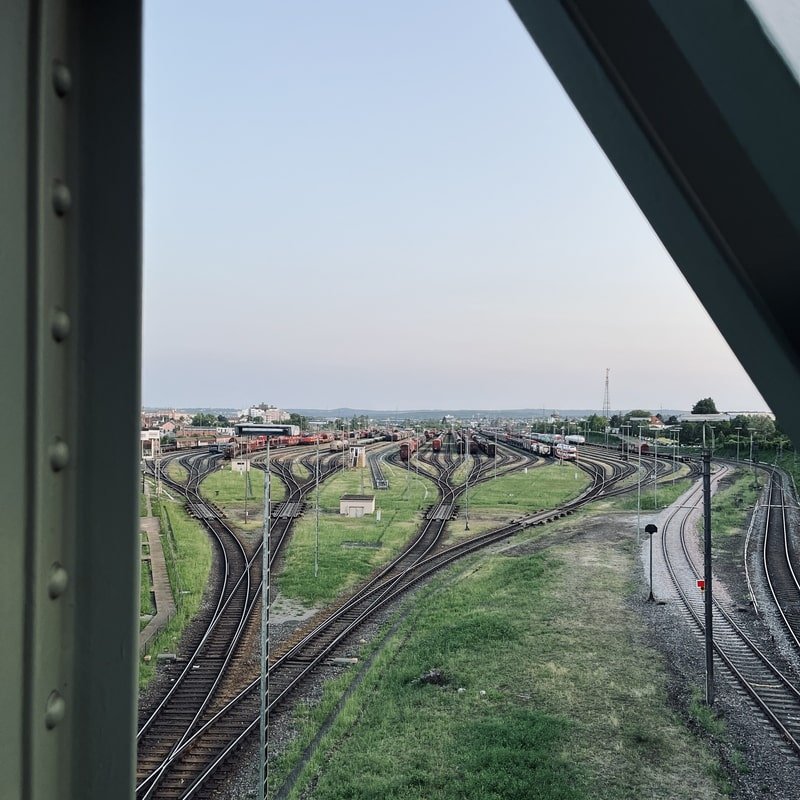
709	618
264	722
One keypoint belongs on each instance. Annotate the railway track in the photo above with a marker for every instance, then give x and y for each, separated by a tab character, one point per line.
771	692
780	556
223	733
196	678
195	689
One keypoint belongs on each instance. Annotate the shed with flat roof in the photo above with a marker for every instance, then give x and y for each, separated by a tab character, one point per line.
356	505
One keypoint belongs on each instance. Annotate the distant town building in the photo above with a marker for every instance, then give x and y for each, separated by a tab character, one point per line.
266	413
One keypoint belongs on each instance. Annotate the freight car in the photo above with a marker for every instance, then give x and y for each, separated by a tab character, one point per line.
407	449
565	452
634	447
436	445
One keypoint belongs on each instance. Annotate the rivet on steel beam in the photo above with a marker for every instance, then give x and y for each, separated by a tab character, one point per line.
58	580
62	79
60	325
55	710
62	198
59	455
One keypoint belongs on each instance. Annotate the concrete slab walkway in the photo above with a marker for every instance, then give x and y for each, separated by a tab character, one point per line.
164	601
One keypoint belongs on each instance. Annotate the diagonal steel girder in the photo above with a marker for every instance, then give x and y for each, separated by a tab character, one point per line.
700	115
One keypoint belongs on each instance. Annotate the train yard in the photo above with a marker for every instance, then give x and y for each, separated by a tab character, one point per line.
190	736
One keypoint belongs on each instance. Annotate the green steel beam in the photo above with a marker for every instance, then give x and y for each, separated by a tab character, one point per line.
700	116
70	309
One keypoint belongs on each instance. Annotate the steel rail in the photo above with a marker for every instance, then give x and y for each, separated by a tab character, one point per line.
765	683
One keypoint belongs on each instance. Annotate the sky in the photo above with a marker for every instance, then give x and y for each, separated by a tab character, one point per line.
395	206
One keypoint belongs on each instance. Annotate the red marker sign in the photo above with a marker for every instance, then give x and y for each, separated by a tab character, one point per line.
701	584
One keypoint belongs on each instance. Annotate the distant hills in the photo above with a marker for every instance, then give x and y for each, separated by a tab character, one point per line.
434	413
459	413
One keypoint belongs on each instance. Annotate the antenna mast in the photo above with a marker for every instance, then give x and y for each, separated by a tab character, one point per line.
607	406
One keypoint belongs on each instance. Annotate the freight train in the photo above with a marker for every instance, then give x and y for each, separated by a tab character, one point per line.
485	445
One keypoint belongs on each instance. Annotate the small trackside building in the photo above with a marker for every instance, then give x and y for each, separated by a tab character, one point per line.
356	505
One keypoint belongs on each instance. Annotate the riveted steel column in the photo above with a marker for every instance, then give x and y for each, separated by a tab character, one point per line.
14	55
69	318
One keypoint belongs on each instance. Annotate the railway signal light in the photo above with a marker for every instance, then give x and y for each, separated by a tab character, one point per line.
701	584
651	529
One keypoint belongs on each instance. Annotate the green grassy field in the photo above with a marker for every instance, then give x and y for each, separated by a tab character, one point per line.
666	494
561	698
495	502
187	552
226	489
351	548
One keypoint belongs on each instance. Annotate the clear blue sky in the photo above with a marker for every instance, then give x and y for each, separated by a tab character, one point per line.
395	205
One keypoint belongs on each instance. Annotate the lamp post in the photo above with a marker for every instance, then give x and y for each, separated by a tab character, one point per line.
246	487
316	502
651	529
265	559
674	456
268	430
639	490
738	436
655	472
466	489
709	616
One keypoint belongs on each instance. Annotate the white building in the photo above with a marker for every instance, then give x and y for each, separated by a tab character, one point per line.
356	505
269	414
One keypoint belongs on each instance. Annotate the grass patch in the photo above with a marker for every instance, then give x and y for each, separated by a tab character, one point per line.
542	487
560	699
300	471
460	473
177	471
497	501
666	494
142	505
155	503
350	548
705	717
187	552
730	511
146	605
226	489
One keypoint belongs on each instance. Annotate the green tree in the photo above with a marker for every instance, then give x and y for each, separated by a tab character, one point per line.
203	420
705	406
299	420
597	423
